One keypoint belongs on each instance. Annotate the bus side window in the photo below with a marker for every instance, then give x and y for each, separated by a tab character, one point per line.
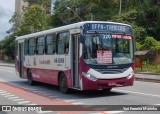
50	44
26	47
63	43
40	45
31	46
16	48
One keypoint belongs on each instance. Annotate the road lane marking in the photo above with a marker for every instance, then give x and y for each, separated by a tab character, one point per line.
23	102
18	99
68	100
146	94
77	103
13	98
41	112
5	94
9	95
2	92
32	104
113	112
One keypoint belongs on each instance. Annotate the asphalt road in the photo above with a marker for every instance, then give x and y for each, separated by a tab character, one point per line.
142	93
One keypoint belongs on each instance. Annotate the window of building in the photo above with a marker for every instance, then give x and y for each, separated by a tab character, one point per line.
32	46
40	45
63	43
51	44
26	47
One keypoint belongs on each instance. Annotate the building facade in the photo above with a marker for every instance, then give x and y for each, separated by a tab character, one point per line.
20	5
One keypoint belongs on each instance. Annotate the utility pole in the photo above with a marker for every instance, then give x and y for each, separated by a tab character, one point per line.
120	6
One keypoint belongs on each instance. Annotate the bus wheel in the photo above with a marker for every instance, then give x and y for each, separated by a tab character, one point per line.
63	85
30	79
107	90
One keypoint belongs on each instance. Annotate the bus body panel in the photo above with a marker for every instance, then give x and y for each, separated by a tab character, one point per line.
105	81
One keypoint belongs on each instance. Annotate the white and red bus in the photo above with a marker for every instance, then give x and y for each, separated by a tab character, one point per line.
88	55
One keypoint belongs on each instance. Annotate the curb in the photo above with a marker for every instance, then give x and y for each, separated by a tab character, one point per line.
148	73
147	80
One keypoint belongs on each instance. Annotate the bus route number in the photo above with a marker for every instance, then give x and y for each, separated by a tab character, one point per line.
107	36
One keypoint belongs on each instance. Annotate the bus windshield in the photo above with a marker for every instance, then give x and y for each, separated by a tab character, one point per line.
104	48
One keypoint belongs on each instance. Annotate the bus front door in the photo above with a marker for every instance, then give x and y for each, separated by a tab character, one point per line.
75	60
21	58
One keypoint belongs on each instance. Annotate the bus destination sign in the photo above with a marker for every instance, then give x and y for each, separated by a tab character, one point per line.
107	27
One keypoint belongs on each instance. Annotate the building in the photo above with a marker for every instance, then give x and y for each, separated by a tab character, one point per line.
20	5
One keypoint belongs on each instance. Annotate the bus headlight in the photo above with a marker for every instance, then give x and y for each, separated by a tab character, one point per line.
89	76
130	75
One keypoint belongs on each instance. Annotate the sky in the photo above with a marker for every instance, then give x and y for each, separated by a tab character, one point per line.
7	8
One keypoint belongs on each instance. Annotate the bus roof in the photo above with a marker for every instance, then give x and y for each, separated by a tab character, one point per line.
64	28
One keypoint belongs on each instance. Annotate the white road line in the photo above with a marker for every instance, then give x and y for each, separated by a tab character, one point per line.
2	91
42	112
77	103
18	99
32	104
23	102
113	112
95	113
13	98
68	100
146	94
9	95
6	94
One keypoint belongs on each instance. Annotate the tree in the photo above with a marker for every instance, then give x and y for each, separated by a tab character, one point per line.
35	19
46	4
150	44
16	22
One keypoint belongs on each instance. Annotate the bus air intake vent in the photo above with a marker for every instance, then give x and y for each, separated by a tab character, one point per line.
111	71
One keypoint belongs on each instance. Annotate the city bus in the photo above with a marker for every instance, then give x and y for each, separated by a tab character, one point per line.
88	55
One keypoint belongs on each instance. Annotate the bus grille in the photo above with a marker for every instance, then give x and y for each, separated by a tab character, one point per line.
111	71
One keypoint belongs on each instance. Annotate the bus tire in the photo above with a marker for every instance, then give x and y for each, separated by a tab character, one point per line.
30	78
63	85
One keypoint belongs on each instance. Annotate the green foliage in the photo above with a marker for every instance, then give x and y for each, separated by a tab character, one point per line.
46	4
35	19
16	21
150	44
138	46
7	45
149	68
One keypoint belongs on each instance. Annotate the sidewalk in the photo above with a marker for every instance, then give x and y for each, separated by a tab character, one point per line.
7	64
150	77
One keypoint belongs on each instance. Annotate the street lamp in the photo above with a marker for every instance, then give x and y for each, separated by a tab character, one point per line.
75	13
